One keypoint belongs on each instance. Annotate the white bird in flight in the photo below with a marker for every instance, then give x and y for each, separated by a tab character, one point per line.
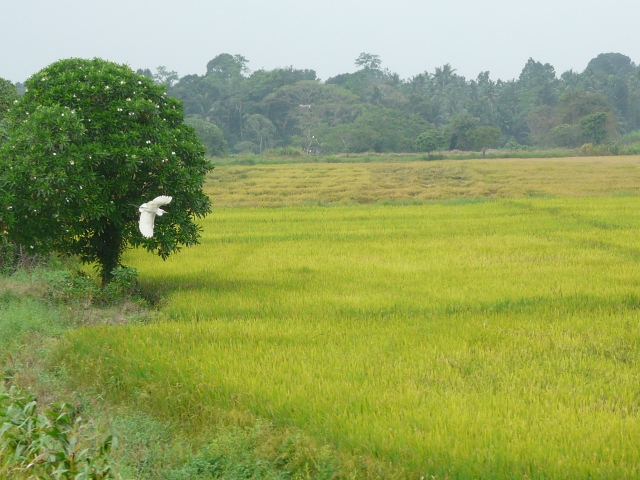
148	212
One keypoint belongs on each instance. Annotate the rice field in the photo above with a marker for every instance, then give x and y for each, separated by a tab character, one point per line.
339	183
464	336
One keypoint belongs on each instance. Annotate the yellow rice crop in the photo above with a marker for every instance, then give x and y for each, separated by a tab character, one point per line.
296	184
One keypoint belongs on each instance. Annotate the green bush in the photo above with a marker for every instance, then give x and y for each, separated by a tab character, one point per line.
512	144
7	256
629	143
564	136
64	286
52	443
14	257
591	150
77	287
633	149
124	284
244	147
631	138
283	152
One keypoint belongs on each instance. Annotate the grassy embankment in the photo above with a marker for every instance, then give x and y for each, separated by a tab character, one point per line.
467	338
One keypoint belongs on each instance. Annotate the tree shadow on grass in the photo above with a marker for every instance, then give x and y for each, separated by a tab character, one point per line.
155	291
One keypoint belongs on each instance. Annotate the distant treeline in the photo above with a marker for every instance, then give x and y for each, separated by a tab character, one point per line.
373	109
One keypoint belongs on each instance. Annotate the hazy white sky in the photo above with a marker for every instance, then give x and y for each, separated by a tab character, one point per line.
410	36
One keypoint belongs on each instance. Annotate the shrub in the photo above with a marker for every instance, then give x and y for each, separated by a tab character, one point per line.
124	284
283	152
594	127
591	150
512	144
564	136
8	252
244	147
51	443
630	138
68	287
14	257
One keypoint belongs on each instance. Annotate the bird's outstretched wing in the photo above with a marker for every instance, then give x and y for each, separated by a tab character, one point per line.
148	212
159	201
147	220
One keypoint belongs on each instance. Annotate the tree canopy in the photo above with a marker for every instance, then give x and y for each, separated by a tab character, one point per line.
90	141
8	94
234	109
342	114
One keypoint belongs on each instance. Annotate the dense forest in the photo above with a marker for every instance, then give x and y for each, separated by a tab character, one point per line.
373	109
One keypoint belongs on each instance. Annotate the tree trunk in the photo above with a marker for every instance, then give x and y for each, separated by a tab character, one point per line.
109	248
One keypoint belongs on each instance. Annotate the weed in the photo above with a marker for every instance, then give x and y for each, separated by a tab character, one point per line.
14	257
70	287
51	443
124	284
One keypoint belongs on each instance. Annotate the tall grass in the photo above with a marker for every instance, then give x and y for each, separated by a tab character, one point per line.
473	339
20	317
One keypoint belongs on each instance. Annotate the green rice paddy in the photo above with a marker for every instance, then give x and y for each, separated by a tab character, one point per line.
462	337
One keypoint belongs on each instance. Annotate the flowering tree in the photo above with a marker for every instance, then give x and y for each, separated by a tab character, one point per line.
8	94
89	142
